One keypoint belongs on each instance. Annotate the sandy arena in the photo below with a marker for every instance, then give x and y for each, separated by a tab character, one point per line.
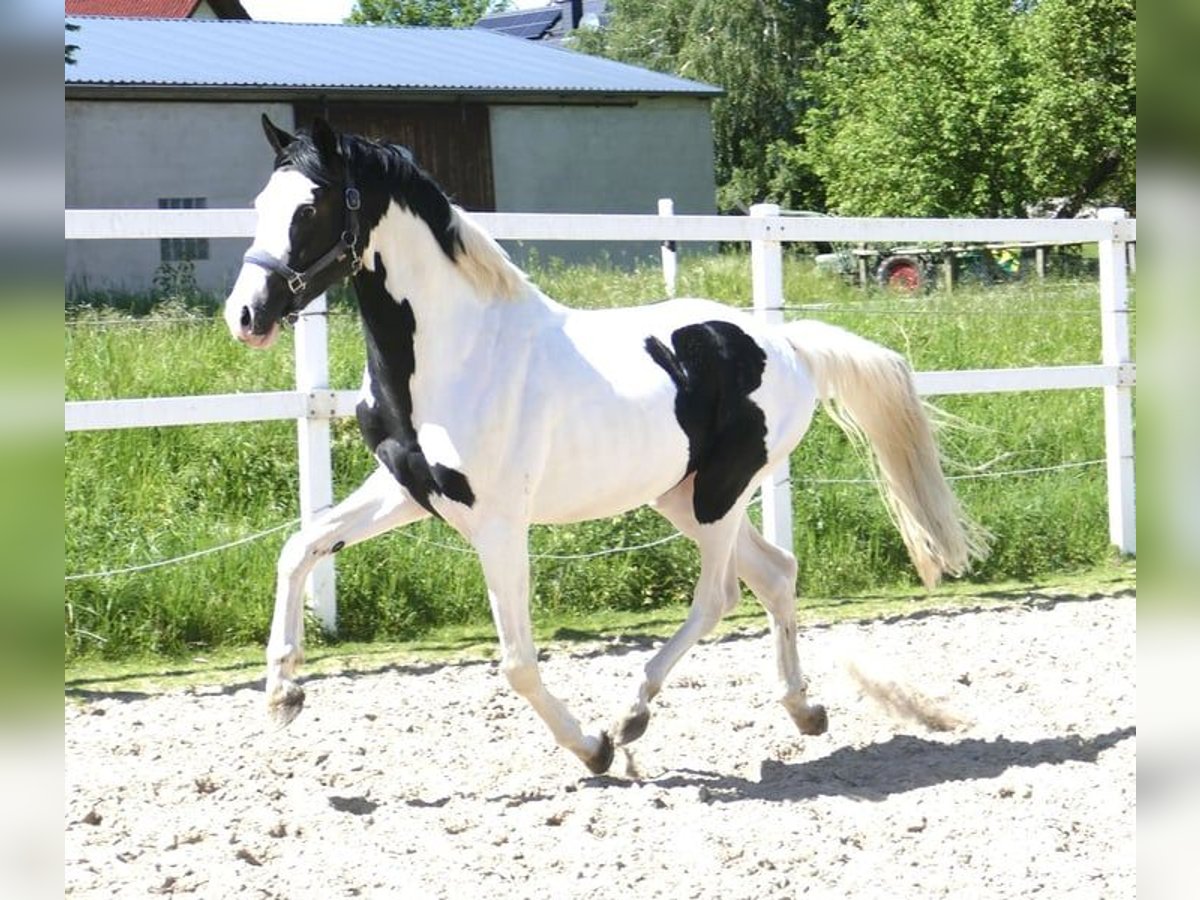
436	781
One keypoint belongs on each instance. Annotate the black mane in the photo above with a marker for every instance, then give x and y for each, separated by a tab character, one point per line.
381	172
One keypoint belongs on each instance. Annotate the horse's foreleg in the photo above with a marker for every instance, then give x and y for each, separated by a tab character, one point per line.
504	553
771	574
716	593
377	505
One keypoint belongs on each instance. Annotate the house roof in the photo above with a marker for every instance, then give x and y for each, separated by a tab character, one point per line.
200	54
552	22
154	9
530	24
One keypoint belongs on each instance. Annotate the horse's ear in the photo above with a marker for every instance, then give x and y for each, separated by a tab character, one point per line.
276	137
326	141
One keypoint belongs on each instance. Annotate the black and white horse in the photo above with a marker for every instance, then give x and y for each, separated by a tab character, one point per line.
492	407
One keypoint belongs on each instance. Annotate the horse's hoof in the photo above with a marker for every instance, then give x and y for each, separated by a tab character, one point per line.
601	761
633	727
813	720
285	704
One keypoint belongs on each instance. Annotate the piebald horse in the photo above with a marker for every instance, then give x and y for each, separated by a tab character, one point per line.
491	406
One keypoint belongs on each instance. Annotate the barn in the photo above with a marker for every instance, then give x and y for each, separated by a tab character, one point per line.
164	114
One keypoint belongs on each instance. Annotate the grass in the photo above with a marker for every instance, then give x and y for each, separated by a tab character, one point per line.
148	494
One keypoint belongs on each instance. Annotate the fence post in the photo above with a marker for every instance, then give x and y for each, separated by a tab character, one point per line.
1118	400
316	469
766	270
670	260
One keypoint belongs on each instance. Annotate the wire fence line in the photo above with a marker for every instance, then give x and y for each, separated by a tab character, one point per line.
562	557
185	557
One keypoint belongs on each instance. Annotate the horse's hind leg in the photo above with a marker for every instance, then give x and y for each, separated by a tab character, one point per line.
716	592
377	505
771	574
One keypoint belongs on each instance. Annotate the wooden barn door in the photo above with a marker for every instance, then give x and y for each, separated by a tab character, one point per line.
450	141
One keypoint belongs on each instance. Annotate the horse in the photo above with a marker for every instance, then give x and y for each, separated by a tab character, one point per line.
492	407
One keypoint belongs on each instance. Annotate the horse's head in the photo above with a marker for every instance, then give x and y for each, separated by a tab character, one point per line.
307	238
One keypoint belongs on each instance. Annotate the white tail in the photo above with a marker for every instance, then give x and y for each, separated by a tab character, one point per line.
869	392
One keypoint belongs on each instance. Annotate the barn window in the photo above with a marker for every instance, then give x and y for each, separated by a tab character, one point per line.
182	249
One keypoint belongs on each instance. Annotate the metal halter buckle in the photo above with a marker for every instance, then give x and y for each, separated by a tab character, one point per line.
353	200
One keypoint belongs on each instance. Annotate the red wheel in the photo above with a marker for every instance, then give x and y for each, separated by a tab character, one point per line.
901	273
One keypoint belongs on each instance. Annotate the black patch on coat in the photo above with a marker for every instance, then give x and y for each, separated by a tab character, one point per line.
715	367
387	426
382	172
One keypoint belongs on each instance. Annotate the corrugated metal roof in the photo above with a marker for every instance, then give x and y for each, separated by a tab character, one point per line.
234	54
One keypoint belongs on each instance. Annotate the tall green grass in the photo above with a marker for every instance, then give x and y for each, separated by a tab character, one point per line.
143	495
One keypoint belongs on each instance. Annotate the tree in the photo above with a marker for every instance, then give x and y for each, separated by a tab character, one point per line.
973	107
913	109
757	50
648	33
1081	119
444	13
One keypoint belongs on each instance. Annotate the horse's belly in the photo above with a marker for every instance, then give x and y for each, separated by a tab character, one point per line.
562	502
595	476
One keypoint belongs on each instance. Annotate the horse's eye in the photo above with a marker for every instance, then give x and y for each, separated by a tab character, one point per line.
307	211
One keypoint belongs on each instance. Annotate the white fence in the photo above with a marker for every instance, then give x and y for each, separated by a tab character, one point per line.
312	404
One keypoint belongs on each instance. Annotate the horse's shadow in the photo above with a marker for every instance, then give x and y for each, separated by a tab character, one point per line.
878	771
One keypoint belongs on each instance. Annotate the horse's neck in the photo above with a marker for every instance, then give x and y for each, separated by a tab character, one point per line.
455	303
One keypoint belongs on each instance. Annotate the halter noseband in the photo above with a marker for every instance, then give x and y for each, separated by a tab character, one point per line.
298	282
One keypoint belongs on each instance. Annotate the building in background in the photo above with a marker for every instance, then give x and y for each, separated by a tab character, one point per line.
550	23
158	9
166	114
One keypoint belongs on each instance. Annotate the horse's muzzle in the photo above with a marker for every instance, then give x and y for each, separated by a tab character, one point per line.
249	319
247	335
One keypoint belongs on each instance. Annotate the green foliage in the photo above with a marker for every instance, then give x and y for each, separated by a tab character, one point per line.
442	13
149	494
1080	123
176	281
903	107
972	107
914	108
754	49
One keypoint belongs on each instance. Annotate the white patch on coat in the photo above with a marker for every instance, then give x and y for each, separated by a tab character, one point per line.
276	204
365	394
437	446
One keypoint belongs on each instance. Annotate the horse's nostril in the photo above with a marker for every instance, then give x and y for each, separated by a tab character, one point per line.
246	318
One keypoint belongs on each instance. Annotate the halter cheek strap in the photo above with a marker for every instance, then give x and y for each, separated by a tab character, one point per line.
299	282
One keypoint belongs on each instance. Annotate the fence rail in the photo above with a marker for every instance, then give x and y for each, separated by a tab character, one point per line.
313	404
111	224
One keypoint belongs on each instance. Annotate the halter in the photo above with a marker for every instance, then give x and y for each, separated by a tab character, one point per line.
298	282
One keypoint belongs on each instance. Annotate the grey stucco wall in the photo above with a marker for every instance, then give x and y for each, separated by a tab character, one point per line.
123	155
603	159
546	158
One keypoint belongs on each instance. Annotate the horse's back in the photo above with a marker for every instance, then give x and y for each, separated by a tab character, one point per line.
641	394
